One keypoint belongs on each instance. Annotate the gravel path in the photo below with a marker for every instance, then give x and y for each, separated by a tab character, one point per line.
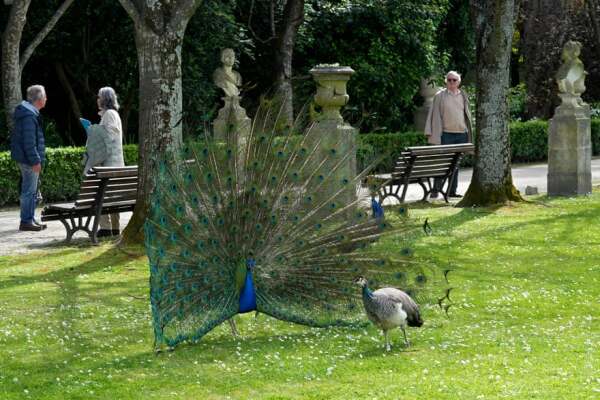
13	241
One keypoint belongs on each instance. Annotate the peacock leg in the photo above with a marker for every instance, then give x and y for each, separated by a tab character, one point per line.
234	330
405	339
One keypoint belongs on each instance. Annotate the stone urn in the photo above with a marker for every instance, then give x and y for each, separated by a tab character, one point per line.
331	89
428	89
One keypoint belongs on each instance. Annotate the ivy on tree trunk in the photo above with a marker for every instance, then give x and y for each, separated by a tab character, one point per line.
492	179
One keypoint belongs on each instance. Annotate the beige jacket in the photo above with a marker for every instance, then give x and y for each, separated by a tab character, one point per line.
104	146
433	125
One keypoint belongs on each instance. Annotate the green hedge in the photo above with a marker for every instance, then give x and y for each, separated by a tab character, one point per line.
62	173
60	178
529	140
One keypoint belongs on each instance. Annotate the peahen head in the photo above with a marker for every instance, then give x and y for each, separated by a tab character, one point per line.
361	281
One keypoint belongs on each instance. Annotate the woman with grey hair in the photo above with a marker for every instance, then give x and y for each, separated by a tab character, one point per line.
105	148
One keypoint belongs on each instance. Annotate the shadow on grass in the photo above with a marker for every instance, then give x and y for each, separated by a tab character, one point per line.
67	275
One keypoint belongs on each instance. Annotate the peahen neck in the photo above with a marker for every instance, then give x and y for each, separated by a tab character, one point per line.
366	292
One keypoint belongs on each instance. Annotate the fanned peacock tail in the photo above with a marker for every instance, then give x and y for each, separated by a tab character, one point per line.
268	227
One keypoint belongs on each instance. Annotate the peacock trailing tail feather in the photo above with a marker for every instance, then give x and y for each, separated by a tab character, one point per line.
265	224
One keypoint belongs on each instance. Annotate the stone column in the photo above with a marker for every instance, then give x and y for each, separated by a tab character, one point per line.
331	128
427	90
569	135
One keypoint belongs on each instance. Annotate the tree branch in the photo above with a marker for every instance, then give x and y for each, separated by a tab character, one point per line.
43	33
273	37
184	10
132	11
64	81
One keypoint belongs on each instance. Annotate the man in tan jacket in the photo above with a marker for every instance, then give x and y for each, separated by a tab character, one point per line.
449	122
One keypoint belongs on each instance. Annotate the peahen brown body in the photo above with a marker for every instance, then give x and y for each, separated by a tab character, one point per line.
389	308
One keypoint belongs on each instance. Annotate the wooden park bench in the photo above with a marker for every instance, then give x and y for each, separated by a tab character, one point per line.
104	190
421	165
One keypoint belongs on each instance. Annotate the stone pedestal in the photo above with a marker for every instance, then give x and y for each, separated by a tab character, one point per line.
427	91
569	135
232	120
333	132
570	150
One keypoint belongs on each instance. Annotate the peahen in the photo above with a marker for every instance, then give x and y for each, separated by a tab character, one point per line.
269	223
389	308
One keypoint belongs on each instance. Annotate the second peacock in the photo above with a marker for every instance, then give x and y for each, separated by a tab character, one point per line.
262	226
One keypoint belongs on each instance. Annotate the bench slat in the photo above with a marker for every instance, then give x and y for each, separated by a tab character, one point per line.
117	174
466	148
109	194
110	187
108	200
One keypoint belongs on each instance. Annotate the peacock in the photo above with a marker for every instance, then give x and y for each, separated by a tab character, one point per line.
267	223
389	308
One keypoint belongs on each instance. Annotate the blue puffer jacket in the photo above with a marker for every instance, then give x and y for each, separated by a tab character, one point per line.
27	140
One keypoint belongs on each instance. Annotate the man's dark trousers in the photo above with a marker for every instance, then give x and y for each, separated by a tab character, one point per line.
450	138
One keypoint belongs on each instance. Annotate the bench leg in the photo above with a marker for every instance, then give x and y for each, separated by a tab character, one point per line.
70	230
404	190
94	232
425	191
445	193
387	191
71	226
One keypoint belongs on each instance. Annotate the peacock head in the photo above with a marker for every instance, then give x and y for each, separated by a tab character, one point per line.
361	281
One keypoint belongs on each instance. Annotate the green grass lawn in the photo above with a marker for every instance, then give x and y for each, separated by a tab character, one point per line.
75	324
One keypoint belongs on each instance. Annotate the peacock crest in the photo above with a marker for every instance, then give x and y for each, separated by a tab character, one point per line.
270	223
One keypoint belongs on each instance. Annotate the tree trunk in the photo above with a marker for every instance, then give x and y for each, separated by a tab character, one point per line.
13	62
293	16
492	180
75	109
159	31
11	69
592	9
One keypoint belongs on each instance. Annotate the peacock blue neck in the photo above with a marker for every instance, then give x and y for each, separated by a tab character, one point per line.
248	293
366	292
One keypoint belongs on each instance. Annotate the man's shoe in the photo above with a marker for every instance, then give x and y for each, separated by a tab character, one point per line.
455	195
104	233
30	227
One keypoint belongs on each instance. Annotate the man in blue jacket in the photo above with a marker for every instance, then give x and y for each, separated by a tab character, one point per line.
28	150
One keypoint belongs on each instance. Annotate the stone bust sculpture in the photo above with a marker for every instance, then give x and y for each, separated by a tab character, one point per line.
226	77
571	74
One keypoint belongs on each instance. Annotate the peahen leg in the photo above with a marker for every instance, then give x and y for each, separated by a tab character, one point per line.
405	339
234	330
388	347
